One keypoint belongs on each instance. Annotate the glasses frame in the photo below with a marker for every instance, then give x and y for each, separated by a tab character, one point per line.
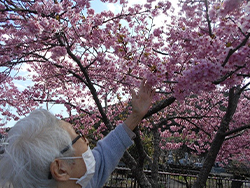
80	135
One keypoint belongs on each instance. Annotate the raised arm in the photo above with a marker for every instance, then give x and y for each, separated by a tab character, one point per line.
141	102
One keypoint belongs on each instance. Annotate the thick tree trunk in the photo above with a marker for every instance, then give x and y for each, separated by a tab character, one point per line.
209	160
136	172
156	155
137	167
234	95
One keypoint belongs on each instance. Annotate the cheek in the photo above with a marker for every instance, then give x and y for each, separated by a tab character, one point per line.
82	167
79	165
79	168
80	148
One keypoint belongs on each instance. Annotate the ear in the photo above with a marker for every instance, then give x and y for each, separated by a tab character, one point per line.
60	170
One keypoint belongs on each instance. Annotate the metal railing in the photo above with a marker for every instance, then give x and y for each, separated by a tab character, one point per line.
122	178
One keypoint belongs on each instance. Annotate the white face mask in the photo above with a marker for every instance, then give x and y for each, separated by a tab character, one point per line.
89	160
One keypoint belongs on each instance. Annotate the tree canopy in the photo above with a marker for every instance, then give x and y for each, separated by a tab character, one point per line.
196	58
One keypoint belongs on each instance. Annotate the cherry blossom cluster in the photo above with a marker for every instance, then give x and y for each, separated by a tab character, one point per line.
87	61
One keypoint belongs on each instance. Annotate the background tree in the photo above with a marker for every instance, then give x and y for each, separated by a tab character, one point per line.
87	61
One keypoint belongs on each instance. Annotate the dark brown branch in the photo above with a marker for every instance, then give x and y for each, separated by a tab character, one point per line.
159	52
234	95
231	51
208	20
122	15
88	82
237	130
71	72
137	173
140	149
161	105
227	75
64	103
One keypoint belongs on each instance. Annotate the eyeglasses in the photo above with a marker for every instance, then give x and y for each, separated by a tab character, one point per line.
80	135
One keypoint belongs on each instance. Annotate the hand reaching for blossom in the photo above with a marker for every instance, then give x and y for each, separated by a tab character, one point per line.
141	102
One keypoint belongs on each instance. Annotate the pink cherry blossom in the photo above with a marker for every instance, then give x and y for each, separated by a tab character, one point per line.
67	53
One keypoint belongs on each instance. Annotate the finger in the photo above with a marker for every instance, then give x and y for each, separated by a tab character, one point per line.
148	87
152	92
133	93
142	84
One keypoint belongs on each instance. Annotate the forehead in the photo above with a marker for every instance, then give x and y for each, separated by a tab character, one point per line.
81	145
68	127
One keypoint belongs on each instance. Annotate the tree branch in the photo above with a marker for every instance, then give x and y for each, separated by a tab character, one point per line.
159	52
161	105
231	51
88	82
227	75
208	20
235	131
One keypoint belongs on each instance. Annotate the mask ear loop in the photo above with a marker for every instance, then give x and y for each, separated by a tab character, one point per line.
68	158
75	179
89	160
67	148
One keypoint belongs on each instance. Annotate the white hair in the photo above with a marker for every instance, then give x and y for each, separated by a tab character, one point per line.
33	143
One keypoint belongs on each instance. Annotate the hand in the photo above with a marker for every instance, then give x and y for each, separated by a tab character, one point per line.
140	104
142	100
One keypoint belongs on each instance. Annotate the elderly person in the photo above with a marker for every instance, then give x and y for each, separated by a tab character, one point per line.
44	151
